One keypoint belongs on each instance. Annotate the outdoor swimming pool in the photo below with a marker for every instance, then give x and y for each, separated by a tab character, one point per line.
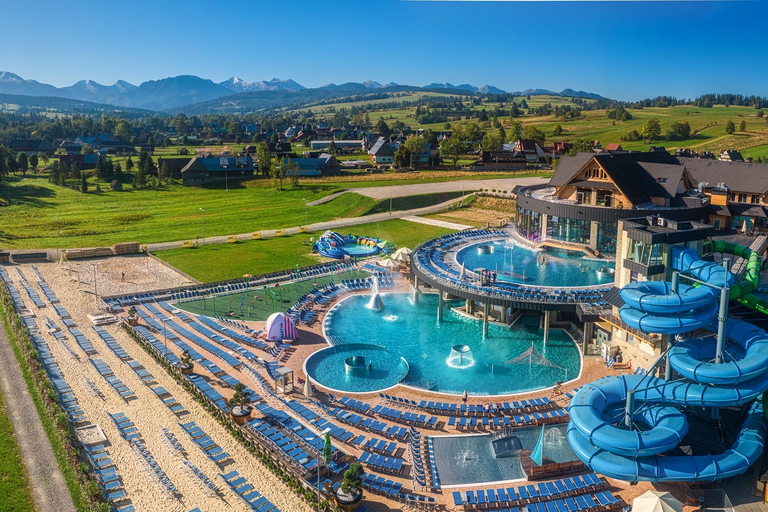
412	331
470	459
521	265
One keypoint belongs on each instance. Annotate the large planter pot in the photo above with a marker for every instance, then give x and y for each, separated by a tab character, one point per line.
133	321
240	414
187	370
346	502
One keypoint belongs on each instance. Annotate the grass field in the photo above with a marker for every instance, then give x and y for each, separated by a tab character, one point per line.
43	215
14	486
229	261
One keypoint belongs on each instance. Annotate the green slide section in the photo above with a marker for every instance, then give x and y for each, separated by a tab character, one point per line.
742	291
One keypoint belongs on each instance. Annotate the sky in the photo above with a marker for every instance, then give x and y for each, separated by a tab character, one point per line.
622	50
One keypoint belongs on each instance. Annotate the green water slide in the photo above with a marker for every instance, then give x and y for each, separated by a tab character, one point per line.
742	291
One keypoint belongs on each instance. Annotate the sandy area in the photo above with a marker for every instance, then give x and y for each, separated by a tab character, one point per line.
149	414
146	411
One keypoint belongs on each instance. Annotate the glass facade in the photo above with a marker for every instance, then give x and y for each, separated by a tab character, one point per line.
529	225
645	254
569	230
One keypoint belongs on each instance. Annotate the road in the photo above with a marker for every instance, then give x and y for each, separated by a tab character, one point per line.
447	186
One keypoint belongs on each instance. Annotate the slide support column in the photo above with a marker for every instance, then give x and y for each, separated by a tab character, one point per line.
629	410
722	318
439	305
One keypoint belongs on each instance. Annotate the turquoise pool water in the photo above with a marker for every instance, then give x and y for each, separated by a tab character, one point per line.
387	368
412	331
467	460
360	250
521	265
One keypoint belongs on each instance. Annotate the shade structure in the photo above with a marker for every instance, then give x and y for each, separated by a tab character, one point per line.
280	327
388	263
656	501
402	254
308	389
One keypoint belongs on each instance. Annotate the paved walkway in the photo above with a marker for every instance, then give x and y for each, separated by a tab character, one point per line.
438	223
399	190
49	489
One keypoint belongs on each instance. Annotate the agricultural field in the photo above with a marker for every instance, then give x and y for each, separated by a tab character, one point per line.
281	253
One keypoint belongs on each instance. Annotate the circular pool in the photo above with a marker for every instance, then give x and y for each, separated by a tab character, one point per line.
446	356
552	267
356	368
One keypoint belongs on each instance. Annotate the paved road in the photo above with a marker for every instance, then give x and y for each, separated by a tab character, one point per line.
399	190
438	223
49	489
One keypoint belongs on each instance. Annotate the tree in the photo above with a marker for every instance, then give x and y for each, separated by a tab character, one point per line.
332	148
582	146
502	135
164	173
730	127
382	128
557	131
264	158
453	148
278	172
33	162
760	113
515	130
352	483
534	134
679	130
44	157
83	183
743	126
416	146
402	157
129	164
23	162
491	142
652	129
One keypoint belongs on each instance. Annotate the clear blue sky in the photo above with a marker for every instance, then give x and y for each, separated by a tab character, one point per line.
623	50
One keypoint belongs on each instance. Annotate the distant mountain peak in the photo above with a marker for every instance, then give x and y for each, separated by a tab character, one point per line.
276	84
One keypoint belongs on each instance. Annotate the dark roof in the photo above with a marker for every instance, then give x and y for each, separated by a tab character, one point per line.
636	181
666	175
748	210
613	298
527	145
219	164
381	148
719	209
738	176
568	167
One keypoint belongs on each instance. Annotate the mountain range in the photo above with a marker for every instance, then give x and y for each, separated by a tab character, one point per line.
189	93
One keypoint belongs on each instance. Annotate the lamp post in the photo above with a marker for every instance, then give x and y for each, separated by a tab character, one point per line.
95	289
58	243
305	211
202	220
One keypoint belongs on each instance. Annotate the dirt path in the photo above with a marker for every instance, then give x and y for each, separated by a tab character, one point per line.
49	489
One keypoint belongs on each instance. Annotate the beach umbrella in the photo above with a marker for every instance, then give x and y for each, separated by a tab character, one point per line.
744	227
656	501
388	263
463	272
307	389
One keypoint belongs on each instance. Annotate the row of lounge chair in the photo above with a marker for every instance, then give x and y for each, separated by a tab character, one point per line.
455	409
516	420
245	491
530	493
285	445
213	451
106	372
599	502
106	473
382	462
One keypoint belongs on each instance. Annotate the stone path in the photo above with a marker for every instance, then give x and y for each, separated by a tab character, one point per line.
49	489
438	223
399	190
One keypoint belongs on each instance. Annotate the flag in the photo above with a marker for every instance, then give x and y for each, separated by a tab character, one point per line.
536	454
327	449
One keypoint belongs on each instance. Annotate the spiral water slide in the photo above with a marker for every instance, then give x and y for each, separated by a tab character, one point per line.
596	431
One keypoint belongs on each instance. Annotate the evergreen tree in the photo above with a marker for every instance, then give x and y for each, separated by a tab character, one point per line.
83	183
23	162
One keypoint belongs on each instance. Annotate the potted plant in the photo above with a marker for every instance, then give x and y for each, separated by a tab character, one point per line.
350	494
240	404
186	364
132	319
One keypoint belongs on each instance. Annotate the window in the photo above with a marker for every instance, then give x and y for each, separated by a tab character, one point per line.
742	198
717	223
755	199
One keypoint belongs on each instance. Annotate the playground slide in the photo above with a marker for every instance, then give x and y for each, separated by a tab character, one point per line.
595	432
742	291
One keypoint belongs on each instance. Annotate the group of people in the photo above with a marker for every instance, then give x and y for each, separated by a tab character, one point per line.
488	276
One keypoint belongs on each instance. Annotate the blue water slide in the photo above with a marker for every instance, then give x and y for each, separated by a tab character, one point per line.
596	431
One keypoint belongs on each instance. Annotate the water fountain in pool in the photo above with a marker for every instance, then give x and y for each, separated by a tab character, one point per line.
460	357
375	303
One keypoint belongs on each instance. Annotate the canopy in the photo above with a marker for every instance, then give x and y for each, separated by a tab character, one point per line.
307	389
388	263
656	501
280	327
402	254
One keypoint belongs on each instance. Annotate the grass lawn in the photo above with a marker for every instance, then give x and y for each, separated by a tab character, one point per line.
258	305
14	487
229	261
43	215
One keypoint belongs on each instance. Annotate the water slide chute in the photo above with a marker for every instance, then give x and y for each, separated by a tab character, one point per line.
596	432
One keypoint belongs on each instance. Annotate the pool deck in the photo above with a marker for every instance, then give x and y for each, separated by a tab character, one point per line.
146	275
